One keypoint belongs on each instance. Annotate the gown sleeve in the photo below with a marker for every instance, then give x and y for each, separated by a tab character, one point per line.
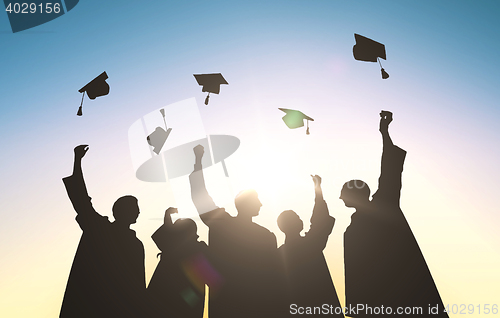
77	192
389	183
321	226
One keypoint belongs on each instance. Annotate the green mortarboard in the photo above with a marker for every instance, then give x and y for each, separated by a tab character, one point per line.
295	119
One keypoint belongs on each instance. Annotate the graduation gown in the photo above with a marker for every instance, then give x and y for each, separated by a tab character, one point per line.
308	282
107	278
177	288
245	254
384	265
245	260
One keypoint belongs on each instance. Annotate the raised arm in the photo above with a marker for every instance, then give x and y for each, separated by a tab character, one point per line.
199	151
320	210
317	187
75	184
199	194
80	152
392	164
321	221
385	120
162	236
167	218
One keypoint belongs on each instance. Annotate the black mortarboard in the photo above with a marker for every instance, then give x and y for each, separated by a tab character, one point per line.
211	83
368	50
295	119
158	137
95	88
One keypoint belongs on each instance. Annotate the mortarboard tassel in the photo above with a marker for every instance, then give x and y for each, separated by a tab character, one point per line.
385	75
206	99
162	111
307	130
80	113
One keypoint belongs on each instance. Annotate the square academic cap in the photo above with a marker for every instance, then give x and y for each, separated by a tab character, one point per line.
211	83
159	136
295	119
368	50
95	88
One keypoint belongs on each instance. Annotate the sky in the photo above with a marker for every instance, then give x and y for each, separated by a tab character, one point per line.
442	57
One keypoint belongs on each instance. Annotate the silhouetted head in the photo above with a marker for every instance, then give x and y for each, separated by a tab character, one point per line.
355	194
290	223
247	203
126	209
186	229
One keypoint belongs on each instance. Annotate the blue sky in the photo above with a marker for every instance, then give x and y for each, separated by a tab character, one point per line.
442	58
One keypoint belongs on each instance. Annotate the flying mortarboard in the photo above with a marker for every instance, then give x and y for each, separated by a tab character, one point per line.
295	119
211	83
95	88
368	50
159	136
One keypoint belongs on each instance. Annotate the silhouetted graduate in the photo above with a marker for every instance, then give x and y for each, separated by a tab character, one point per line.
295	119
97	87
211	83
177	288
308	282
368	50
383	262
244	253
107	278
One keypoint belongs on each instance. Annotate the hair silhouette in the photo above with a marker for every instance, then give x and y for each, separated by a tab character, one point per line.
355	193
290	223
247	203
